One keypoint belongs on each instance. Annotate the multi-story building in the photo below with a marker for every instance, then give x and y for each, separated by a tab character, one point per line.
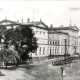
41	33
69	33
57	42
50	40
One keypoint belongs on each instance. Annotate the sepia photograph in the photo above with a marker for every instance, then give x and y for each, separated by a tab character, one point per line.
39	39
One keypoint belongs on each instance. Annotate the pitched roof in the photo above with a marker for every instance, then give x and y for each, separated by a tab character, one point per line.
58	32
8	21
65	28
39	24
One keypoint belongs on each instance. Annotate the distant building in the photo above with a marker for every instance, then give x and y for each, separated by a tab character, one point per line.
69	33
57	42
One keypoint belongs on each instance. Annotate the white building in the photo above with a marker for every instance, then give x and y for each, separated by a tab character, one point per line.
51	40
41	33
57	42
69	33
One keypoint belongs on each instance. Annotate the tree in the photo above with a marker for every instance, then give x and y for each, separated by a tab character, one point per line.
19	37
7	55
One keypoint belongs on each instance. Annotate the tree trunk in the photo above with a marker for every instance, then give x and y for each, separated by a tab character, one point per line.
6	64
17	63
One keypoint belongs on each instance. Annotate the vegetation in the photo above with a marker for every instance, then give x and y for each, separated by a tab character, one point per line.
23	41
7	55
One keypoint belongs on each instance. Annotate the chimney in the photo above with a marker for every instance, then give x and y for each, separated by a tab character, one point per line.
40	20
61	25
74	25
28	20
70	25
22	20
17	20
51	26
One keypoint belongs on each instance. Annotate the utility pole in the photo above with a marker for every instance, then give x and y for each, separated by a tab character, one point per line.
33	10
63	67
72	9
70	17
75	49
65	40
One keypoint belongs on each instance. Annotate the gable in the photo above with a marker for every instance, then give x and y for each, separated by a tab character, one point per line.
40	24
7	22
75	28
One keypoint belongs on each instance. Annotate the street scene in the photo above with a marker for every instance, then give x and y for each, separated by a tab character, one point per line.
42	71
39	40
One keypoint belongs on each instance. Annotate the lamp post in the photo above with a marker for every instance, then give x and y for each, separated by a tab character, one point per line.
75	49
65	55
63	67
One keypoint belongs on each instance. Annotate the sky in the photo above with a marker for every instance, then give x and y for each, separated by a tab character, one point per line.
56	12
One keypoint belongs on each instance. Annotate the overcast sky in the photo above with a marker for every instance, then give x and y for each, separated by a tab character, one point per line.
50	11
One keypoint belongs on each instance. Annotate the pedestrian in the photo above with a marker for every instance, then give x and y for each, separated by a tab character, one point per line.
63	71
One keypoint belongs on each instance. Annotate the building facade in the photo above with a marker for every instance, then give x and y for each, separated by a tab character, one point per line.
40	29
69	33
50	40
57	42
41	33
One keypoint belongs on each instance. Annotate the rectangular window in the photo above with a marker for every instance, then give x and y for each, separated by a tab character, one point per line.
43	50
44	33
58	42
40	51
36	52
62	50
53	50
50	42
53	42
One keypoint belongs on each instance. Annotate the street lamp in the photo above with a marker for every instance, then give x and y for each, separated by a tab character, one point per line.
63	67
75	49
65	55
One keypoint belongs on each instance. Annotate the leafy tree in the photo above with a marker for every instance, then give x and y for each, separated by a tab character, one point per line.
22	37
7	55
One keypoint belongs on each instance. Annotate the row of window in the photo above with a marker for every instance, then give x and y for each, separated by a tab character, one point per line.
40	50
39	32
54	51
75	42
53	42
74	33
